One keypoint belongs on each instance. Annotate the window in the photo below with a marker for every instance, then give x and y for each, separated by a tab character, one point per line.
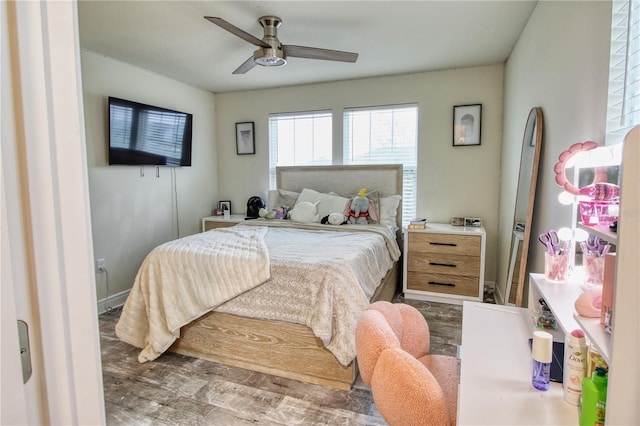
385	135
299	139
623	110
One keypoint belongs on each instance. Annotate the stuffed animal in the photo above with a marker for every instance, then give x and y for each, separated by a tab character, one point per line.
360	208
305	212
333	219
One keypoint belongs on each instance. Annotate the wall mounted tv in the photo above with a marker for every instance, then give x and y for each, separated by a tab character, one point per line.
142	135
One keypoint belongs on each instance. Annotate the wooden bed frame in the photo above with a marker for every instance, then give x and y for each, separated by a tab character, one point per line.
286	349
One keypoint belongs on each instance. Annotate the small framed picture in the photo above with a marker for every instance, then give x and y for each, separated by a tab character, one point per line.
472	221
224	205
467	120
245	138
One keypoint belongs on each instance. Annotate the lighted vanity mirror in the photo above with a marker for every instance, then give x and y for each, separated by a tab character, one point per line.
523	212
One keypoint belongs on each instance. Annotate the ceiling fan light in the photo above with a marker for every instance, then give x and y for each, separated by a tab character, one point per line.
269	57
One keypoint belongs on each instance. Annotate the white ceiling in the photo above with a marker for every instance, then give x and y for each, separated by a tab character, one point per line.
392	37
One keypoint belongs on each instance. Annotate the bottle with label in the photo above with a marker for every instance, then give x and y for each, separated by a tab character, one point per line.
542	354
594	398
575	366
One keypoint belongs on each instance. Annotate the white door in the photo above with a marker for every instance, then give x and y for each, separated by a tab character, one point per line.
46	267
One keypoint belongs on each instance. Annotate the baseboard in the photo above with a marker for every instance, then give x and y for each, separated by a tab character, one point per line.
115	301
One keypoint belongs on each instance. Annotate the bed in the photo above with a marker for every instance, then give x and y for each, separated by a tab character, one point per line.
269	342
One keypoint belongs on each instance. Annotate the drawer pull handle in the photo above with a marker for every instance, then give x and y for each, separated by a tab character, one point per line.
444	244
448	265
443	284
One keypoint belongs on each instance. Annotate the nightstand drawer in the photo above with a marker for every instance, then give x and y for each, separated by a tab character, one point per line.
466	245
447	264
440	283
214	225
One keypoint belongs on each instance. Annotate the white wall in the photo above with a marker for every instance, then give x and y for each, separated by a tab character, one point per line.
130	213
452	181
561	64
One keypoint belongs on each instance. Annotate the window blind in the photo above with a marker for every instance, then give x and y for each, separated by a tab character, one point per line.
385	135
299	139
623	110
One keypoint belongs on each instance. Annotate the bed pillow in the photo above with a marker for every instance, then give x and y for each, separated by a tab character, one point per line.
281	198
327	203
389	210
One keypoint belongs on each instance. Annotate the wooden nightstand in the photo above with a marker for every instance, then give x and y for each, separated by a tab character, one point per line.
444	263
212	222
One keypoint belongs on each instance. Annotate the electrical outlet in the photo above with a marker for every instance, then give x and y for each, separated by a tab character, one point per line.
100	264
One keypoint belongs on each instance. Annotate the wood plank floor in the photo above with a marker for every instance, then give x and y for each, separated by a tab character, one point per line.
179	390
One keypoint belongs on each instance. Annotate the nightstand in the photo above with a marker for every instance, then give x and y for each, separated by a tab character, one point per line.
213	222
444	263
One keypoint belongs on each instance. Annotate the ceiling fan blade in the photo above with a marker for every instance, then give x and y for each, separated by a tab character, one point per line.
246	66
317	53
237	31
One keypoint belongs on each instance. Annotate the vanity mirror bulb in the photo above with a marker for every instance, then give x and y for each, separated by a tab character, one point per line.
566	199
581	235
565	234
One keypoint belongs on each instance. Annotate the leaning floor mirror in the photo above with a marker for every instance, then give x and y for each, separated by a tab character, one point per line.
523	212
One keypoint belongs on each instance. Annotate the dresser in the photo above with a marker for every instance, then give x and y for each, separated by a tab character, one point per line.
444	263
213	222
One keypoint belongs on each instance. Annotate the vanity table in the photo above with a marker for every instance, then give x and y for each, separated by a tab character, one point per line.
495	376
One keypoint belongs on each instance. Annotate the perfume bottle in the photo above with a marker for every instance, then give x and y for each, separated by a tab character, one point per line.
542	354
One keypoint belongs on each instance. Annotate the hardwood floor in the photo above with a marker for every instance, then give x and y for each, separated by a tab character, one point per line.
179	390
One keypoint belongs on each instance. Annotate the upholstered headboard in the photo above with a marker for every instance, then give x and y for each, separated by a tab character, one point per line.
384	178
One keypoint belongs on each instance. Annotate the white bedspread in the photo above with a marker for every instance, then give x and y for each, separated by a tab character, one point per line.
321	276
183	279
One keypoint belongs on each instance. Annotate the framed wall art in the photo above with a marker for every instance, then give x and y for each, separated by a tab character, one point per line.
467	121
245	138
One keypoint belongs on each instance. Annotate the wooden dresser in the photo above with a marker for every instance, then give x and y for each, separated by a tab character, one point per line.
444	263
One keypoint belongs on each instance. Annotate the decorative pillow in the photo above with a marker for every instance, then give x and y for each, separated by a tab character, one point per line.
281	198
304	212
327	203
389	210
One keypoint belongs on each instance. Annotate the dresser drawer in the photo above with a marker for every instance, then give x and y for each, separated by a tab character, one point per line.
446	264
466	245
440	283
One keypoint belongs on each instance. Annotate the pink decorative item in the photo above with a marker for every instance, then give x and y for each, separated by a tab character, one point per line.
589	303
561	178
601	213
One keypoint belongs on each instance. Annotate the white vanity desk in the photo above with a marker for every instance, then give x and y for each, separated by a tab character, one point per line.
495	376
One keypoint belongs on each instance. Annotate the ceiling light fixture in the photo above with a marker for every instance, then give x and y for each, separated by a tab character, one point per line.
269	57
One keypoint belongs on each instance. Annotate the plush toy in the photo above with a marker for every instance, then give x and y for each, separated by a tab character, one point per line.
360	208
305	212
277	213
333	219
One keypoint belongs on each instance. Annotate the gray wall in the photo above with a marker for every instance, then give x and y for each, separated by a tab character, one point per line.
452	181
130	213
561	64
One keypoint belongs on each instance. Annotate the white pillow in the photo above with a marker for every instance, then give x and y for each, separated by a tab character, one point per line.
389	210
281	198
327	203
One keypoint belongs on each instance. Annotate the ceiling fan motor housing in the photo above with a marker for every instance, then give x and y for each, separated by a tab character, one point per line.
274	56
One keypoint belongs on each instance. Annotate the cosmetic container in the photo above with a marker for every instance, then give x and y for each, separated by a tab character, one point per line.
594	398
575	366
542	354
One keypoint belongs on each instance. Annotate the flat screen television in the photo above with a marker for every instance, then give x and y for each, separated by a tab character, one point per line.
142	134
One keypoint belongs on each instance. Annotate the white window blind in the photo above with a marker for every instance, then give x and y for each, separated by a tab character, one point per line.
299	139
623	110
385	135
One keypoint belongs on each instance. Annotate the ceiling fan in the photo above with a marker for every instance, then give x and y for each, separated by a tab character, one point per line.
271	52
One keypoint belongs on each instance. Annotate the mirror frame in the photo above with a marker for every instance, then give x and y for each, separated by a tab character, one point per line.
534	119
